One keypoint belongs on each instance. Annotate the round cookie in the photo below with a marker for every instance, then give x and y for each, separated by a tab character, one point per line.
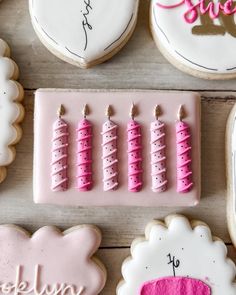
178	257
86	32
230	149
11	111
198	37
50	261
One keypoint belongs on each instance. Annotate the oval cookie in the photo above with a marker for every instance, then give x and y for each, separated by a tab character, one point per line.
11	111
84	32
178	257
50	262
196	36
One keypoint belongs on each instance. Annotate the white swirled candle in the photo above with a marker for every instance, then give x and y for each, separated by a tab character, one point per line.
135	172
59	164
184	158
158	154
109	153
84	153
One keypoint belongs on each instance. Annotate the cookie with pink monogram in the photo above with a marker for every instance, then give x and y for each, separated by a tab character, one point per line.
178	257
84	33
197	36
50	261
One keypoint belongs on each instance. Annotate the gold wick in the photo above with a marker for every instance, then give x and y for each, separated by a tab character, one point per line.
133	111
85	111
109	112
181	113
61	111
157	111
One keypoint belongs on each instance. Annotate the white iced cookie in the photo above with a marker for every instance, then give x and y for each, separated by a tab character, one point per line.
11	111
231	173
84	32
178	257
197	36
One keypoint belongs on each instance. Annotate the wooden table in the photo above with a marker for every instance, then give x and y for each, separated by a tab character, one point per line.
139	65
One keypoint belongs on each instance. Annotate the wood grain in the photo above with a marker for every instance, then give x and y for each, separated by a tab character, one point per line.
139	65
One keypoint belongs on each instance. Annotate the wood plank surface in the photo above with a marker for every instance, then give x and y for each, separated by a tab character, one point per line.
139	65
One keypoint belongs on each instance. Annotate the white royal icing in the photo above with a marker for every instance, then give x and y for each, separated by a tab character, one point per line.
233	159
83	30
206	53
181	251
9	110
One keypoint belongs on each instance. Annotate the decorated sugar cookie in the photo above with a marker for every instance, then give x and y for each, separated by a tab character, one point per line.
84	32
197	36
11	111
231	173
50	262
178	258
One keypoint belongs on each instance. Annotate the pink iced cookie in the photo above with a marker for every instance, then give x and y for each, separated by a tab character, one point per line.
59	156
158	157
50	262
184	160
175	286
109	156
134	156
84	155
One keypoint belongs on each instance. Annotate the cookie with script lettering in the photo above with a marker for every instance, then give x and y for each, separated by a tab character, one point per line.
84	32
178	257
50	261
11	110
197	36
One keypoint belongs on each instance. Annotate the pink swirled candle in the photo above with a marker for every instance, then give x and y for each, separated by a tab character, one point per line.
158	155
109	154
59	154
135	172
184	160
84	154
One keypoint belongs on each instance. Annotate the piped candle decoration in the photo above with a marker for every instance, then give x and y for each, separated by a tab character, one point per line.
109	153
158	153
84	153
60	153
184	159
135	172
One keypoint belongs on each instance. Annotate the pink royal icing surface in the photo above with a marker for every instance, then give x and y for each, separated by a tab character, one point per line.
134	156
46	104
109	155
50	262
84	155
158	158
184	160
59	156
175	286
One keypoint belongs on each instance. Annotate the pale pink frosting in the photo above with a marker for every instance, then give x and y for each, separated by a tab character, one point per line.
109	156
134	156
84	155
184	160
158	157
175	286
59	156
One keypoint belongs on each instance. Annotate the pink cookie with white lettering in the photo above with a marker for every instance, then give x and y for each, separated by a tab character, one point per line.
197	36
50	261
178	257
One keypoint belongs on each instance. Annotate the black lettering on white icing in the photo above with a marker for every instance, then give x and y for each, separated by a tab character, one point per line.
174	262
85	22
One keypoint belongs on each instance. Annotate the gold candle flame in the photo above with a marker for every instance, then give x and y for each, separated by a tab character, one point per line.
133	111
181	113
157	111
109	112
85	111
61	111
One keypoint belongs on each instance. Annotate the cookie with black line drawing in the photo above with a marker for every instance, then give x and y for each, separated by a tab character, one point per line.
84	32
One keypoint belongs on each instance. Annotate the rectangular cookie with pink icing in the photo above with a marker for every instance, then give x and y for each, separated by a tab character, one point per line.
117	148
